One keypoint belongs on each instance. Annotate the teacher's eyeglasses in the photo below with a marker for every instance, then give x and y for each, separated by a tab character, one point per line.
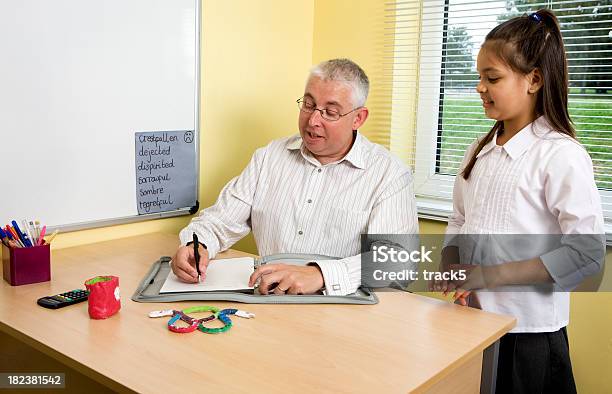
329	114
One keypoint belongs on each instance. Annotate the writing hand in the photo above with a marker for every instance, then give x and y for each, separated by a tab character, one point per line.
183	264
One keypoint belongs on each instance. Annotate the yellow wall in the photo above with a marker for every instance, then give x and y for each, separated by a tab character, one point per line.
358	29
255	58
336	36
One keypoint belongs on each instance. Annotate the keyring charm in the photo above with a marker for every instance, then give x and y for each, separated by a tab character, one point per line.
174	317
223	316
193	323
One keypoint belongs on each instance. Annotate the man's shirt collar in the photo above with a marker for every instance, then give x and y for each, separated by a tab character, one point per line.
354	156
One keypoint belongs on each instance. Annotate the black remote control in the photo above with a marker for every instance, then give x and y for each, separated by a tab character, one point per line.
63	299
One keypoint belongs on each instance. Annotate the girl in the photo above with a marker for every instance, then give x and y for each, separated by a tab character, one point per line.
528	175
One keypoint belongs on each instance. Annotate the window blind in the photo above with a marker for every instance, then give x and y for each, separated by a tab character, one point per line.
446	35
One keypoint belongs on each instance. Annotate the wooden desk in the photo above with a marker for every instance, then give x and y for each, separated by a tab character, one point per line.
405	343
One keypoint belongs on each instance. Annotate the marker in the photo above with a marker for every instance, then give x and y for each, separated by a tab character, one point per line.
4	237
12	242
196	253
35	232
34	237
37	229
42	234
7	239
24	239
11	231
15	237
28	232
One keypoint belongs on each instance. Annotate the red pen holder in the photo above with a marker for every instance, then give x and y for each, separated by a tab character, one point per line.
22	266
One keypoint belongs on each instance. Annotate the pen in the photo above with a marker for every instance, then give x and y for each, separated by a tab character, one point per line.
28	232
35	230
52	236
42	234
13	235
21	235
37	223
4	237
196	253
11	241
8	241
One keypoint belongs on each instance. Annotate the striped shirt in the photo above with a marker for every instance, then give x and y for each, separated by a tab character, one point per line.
539	182
294	204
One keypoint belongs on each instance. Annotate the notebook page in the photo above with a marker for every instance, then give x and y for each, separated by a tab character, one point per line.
222	274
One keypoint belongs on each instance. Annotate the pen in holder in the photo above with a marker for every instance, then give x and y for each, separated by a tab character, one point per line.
22	266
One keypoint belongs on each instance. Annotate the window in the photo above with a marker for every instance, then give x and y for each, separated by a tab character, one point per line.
441	73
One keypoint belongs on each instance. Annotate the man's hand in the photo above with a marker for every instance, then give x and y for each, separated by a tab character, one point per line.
183	264
290	279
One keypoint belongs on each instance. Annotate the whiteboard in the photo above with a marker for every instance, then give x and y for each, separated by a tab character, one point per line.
77	79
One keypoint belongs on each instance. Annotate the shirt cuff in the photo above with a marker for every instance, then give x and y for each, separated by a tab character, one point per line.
569	268
341	277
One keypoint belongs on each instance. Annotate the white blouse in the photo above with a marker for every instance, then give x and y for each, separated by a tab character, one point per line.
539	182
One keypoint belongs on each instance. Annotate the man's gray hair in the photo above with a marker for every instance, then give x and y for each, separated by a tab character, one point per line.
344	70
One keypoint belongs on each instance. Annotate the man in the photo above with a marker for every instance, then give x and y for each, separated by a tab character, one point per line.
313	193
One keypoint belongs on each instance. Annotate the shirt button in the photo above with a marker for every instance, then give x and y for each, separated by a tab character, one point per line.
319	170
309	201
300	232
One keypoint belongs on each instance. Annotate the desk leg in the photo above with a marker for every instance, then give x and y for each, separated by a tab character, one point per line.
489	369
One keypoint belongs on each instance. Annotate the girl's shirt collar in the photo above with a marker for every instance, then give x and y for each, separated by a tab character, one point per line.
521	141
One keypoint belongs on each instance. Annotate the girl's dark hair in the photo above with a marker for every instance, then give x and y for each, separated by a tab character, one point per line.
525	43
